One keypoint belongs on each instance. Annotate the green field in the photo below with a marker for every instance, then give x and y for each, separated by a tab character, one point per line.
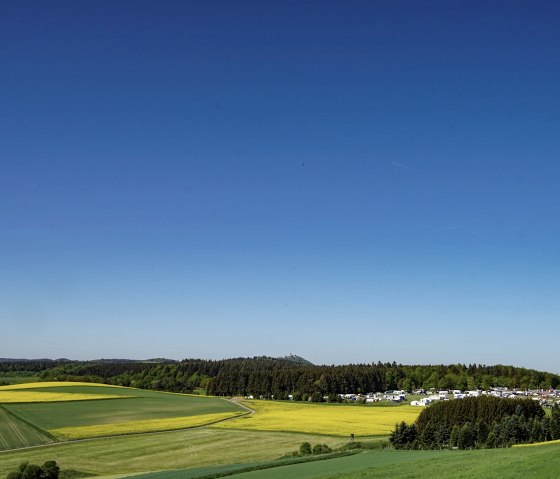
489	464
191	448
142	406
16	433
542	462
145	405
114	411
18	379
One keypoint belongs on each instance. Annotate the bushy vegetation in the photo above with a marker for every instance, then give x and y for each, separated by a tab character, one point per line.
49	470
305	449
483	422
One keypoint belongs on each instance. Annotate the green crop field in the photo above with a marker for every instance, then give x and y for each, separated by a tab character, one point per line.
130	410
16	433
18	379
142	406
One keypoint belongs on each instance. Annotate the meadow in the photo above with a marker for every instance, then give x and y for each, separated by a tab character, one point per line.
541	461
333	420
189	448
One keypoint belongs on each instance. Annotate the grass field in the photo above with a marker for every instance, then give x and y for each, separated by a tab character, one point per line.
542	462
61	409
189	448
489	464
335	420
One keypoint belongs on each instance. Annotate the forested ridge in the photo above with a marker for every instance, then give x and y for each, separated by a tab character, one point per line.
280	377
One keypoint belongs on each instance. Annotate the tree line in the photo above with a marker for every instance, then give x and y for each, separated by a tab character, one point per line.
281	378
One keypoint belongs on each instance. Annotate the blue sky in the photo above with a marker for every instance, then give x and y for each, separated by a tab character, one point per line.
347	181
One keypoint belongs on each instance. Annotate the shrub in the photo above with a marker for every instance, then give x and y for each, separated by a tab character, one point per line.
305	449
49	470
321	449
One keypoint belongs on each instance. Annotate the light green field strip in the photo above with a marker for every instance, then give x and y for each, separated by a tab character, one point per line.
333	420
134	427
15	433
18	396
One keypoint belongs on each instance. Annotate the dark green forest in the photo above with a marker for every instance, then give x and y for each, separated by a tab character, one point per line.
478	422
281	377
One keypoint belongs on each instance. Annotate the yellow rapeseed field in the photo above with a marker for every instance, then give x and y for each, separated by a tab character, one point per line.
50	384
37	396
147	425
537	444
334	420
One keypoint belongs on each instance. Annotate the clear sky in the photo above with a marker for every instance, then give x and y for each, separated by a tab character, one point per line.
347	181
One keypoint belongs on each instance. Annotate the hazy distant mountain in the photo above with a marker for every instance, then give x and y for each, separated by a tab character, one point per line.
101	360
25	360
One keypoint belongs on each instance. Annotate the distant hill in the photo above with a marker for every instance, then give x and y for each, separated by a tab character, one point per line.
23	360
294	358
101	360
151	361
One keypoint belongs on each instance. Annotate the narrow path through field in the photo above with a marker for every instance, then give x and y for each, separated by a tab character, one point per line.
238	401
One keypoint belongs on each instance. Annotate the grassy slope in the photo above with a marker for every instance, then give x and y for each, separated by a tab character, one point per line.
173	450
542	462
